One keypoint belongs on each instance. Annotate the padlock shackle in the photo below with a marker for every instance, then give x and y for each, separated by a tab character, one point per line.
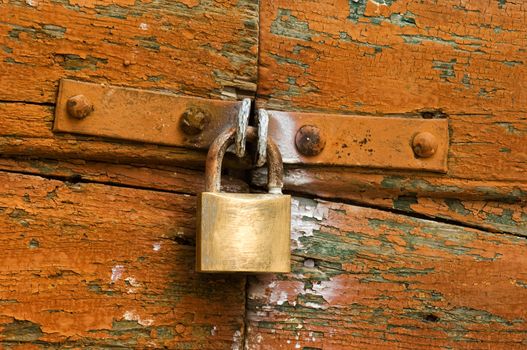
217	151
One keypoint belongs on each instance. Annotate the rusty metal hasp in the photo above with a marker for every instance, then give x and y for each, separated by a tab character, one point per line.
303	138
361	141
141	115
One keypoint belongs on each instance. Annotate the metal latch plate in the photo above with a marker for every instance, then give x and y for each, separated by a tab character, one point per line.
156	117
362	141
141	115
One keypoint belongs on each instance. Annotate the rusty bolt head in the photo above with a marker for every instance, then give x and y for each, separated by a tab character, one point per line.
79	107
424	145
309	141
194	120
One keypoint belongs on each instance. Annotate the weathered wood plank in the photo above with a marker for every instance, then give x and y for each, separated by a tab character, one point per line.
403	56
25	130
94	265
393	56
400	57
201	48
497	206
365	278
171	179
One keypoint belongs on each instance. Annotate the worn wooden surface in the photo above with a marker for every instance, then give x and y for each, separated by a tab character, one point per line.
368	279
196	48
164	179
100	254
406	57
463	59
498	206
91	265
394	56
202	48
27	131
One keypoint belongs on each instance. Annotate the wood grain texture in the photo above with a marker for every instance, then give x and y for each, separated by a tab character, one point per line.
96	266
367	279
406	57
25	130
498	206
196	47
165	179
393	56
415	59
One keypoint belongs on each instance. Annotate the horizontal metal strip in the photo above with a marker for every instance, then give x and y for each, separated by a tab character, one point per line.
303	138
141	115
361	141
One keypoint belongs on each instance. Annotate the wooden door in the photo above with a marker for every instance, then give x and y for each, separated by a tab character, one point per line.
98	235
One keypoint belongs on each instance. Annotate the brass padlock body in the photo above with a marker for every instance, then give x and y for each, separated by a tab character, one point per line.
243	232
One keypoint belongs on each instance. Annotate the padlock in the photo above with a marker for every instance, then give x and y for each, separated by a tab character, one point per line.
243	232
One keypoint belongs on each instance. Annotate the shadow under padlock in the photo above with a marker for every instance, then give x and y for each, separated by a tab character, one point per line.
243	232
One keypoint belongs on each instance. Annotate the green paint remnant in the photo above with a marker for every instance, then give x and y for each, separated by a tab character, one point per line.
418	39
409	272
251	24
297	49
76	63
505	150
54	31
33	244
148	42
6	49
286	60
487	92
155	78
11	61
404	202
21	331
378	224
343	36
95	287
502	4
392	182
18	213
510	128
290	26
446	69
403	20
329	247
112	11
521	284
466	81
357	8
465	315
504	219
46	31
266	325
457	207
512	63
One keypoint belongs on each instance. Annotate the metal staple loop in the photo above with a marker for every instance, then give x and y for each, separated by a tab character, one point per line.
241	127
261	146
275	168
